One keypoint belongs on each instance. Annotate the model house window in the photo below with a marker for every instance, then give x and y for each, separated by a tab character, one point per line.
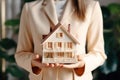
69	45
60	54
58	44
69	54
49	45
59	35
48	55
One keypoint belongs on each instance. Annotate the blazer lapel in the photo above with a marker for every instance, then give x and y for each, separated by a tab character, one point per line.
50	11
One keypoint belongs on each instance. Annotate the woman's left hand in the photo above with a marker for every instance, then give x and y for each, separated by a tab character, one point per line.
79	64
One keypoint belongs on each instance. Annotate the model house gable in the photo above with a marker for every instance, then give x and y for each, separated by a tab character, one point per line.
60	33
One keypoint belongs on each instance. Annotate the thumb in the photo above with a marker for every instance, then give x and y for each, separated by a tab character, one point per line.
74	65
36	56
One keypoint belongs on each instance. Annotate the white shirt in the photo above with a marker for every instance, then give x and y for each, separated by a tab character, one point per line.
60	7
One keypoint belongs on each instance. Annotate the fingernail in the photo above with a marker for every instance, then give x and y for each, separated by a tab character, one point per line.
57	64
37	56
52	65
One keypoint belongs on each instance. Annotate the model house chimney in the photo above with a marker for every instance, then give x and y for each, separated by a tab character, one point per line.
69	28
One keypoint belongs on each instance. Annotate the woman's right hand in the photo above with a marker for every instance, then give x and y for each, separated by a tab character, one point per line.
37	64
37	61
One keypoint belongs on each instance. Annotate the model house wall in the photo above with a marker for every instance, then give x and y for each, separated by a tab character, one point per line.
59	47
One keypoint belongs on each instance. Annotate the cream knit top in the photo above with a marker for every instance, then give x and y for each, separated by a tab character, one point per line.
60	4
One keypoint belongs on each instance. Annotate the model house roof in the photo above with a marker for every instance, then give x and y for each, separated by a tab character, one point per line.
59	26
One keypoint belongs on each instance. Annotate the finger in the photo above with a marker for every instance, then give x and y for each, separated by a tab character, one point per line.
51	65
78	57
42	65
69	66
36	63
46	64
61	65
74	65
56	64
37	56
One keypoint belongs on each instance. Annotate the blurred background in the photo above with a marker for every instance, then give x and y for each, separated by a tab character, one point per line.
10	11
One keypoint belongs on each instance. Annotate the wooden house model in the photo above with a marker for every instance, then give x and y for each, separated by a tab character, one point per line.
59	46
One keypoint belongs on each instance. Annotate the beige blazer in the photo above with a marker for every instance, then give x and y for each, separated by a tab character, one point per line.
36	20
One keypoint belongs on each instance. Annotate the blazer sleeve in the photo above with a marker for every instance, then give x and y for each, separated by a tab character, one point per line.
24	50
95	42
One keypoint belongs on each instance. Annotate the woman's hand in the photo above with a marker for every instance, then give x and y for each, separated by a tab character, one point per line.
37	61
78	67
79	64
36	64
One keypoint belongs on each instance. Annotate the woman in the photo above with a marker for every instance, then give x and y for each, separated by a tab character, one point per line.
39	17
